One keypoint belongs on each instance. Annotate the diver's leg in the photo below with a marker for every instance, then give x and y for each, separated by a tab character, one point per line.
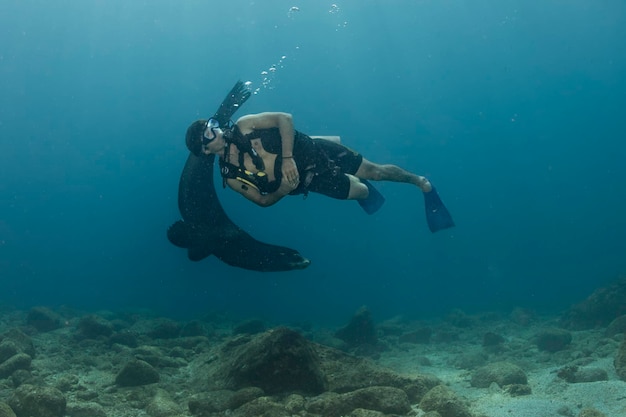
376	172
358	190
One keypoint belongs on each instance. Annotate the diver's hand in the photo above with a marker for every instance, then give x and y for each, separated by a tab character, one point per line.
266	200
290	171
287	186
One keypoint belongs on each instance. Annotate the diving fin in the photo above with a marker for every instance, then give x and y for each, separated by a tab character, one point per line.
232	102
437	215
374	200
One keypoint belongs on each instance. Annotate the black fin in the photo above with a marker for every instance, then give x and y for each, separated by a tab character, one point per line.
374	200
437	215
231	103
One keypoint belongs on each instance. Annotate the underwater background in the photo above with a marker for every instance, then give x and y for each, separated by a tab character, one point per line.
513	109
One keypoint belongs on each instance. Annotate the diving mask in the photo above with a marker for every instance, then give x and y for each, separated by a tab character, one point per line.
209	131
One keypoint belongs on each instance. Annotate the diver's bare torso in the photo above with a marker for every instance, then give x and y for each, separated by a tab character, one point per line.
269	159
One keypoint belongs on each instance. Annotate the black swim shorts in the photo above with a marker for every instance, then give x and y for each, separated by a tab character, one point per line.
333	163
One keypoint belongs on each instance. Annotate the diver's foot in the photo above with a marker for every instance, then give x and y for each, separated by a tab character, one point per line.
424	184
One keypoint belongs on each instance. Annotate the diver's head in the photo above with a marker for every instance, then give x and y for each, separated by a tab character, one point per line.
201	134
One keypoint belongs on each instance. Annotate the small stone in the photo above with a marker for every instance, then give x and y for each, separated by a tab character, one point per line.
502	373
591	375
125	338
471	360
14	363
386	400
21	376
165	329
590	412
294	403
442	400
93	327
517	390
43	319
5	410
491	339
360	412
553	340
87	409
263	406
22	341
193	328
137	373
245	395
162	405
254	326
210	402
8	348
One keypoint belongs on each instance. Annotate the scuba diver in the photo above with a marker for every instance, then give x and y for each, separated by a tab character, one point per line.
262	157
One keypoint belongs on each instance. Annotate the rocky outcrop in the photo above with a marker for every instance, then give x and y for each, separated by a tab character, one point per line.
359	331
277	361
279	372
30	400
599	309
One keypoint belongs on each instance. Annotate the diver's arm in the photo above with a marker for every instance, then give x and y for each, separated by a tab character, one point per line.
284	123
267	120
252	193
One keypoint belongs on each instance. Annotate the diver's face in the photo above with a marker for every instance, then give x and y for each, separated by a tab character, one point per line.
215	144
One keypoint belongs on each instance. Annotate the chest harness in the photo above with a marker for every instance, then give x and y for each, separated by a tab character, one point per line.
257	180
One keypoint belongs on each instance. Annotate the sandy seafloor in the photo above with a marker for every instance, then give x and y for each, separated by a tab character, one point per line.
452	354
551	395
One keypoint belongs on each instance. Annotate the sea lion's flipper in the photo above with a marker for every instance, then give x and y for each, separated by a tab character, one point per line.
178	235
244	251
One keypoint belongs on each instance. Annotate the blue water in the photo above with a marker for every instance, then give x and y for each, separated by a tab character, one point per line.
514	109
